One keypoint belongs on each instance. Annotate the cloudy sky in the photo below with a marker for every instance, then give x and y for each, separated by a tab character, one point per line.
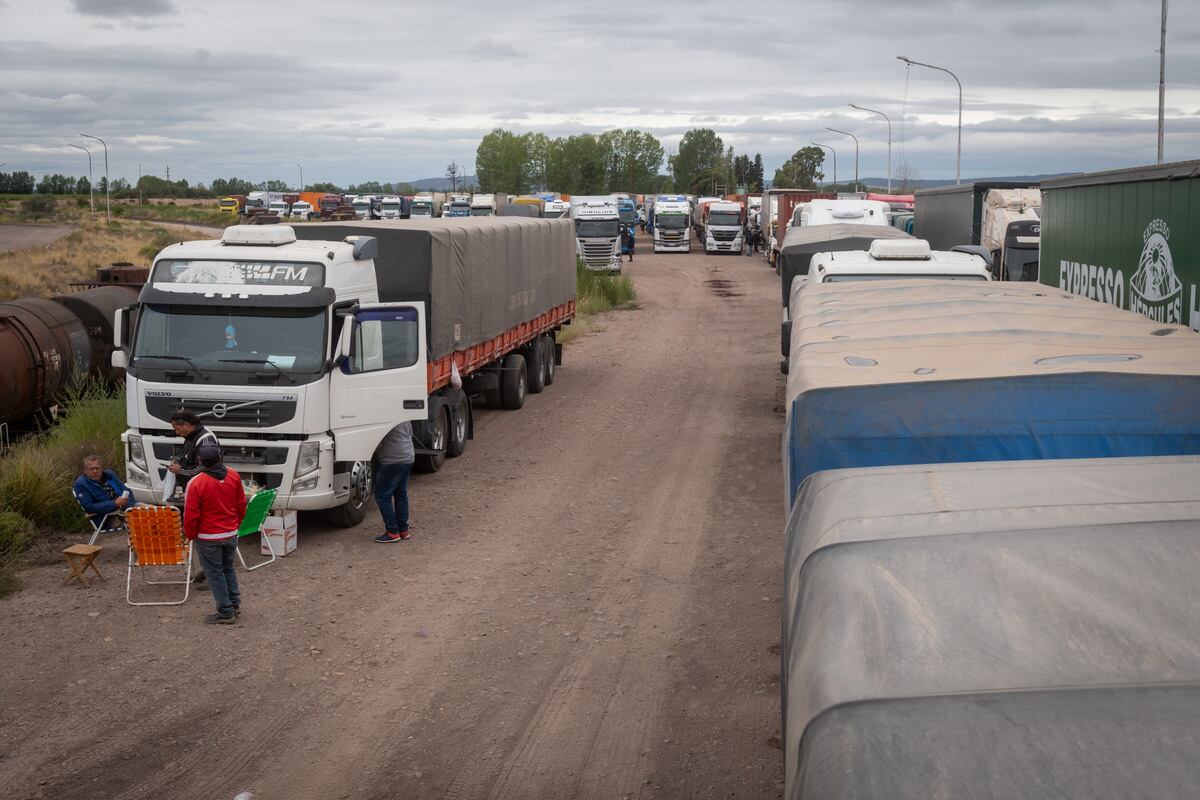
395	90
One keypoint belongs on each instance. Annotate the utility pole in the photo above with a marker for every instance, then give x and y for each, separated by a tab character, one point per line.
855	138
889	122
830	149
107	182
958	157
91	185
1162	79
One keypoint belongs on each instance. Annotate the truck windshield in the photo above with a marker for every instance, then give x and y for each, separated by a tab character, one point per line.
481	211
551	214
231	339
597	228
391	207
629	215
731	218
1021	264
670	222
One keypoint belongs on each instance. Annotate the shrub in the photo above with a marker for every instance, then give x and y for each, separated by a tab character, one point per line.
600	291
38	205
34	484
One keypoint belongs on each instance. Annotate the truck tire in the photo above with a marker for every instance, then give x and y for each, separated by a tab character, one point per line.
439	436
354	510
535	365
514	382
460	422
550	365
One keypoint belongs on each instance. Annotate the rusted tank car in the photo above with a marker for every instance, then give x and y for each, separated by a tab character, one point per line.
42	346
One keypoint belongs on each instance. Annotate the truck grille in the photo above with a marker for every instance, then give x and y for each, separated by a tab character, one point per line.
236	413
598	254
724	236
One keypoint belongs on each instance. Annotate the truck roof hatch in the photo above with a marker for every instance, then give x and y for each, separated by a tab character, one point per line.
907	249
262	235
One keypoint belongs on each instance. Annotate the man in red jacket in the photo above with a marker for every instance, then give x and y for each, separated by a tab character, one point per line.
213	508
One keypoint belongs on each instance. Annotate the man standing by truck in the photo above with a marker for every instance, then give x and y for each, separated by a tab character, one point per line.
215	507
396	457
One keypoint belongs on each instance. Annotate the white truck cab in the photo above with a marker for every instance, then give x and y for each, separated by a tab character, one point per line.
597	231
423	207
301	209
284	350
364	206
391	207
889	259
842	212
483	205
672	216
723	227
555	209
279	207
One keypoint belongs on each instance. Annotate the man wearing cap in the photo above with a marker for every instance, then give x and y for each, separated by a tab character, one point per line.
213	508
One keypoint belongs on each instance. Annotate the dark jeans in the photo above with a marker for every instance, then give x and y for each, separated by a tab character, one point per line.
217	558
391	492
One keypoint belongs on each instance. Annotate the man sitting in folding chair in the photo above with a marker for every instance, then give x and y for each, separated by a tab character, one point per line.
103	497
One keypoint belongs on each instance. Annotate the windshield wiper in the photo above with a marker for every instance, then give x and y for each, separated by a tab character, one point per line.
177	358
257	361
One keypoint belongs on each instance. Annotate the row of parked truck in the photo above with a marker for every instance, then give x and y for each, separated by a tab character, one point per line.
993	501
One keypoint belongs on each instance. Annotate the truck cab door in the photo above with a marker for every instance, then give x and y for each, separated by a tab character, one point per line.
380	376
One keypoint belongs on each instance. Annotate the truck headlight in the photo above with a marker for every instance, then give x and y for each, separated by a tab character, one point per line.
136	476
137	453
308	459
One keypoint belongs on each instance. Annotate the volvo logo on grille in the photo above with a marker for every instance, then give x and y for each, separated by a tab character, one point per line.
219	410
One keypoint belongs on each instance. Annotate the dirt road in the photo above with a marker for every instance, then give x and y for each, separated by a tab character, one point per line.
589	606
15	237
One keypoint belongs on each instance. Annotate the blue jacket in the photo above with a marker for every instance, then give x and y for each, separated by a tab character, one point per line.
94	499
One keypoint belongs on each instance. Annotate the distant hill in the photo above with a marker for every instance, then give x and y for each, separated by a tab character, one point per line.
442	184
881	183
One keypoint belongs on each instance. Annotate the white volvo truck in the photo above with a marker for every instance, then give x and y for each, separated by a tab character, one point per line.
302	353
597	231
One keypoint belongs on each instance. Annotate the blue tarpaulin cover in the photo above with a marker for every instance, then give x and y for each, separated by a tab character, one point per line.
924	372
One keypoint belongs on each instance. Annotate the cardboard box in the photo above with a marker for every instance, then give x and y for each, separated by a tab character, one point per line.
280	527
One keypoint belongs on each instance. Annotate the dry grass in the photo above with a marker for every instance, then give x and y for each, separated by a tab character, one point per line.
47	271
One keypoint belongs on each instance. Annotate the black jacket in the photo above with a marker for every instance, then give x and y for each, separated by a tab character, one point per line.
189	465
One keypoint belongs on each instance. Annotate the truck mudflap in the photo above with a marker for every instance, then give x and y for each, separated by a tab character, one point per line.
514	338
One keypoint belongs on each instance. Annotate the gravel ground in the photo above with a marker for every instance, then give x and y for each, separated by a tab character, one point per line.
589	606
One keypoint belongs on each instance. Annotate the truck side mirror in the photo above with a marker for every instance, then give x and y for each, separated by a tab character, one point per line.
345	340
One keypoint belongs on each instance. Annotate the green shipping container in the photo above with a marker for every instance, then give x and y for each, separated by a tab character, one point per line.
1129	237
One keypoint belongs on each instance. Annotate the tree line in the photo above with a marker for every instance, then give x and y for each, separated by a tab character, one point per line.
612	161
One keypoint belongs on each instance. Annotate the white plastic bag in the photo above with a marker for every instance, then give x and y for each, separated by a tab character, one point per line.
168	487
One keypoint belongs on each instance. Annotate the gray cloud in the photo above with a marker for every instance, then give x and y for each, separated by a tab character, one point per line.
1049	85
120	9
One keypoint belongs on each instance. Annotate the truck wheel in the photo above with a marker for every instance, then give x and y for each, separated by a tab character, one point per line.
460	419
535	365
549	360
354	510
439	434
513	382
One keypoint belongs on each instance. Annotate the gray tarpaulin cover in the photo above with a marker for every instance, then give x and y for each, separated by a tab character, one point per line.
929	372
478	276
802	242
1000	630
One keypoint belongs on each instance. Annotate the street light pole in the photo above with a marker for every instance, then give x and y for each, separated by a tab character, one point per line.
301	176
958	157
855	138
91	185
107	182
830	149
889	122
1162	79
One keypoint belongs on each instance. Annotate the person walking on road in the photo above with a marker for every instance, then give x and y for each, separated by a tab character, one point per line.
214	507
627	240
396	457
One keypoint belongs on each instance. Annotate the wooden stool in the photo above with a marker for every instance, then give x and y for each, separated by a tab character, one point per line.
79	558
